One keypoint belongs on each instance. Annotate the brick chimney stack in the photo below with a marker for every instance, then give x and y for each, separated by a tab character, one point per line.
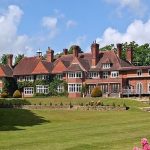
49	55
65	51
10	60
75	50
129	54
119	50
95	53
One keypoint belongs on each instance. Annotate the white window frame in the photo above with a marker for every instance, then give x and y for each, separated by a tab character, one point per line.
42	89
20	79
28	78
114	74
105	75
59	76
93	75
41	77
74	88
60	88
75	74
106	66
28	90
139	73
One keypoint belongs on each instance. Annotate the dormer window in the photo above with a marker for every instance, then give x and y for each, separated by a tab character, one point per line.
139	72
93	74
106	66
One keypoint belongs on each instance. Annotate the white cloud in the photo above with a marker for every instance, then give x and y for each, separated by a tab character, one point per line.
78	41
10	41
70	23
137	31
51	24
135	6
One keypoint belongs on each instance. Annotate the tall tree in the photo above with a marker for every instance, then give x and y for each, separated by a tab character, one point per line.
18	58
4	59
71	49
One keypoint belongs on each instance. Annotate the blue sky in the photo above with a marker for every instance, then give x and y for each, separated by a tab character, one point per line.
27	25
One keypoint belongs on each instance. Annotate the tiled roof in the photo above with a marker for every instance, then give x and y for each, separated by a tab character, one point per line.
8	71
27	65
74	67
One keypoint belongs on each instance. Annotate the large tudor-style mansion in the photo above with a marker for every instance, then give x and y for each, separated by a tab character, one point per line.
105	69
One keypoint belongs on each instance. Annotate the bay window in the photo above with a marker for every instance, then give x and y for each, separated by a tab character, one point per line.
74	88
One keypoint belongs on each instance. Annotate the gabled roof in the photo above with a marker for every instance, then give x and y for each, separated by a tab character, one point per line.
6	71
74	67
32	65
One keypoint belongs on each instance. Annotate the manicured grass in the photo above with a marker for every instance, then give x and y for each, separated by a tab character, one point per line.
106	101
73	130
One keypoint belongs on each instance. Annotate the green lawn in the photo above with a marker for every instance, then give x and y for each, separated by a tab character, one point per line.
74	130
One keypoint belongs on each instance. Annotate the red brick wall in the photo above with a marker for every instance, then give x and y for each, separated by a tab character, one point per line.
74	95
144	82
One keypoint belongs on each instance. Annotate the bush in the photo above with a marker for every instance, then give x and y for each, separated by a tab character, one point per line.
4	95
98	103
61	104
70	105
13	103
91	103
17	94
113	104
96	92
81	104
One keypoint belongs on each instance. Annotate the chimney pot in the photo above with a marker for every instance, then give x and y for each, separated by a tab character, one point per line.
49	55
95	53
75	50
129	54
65	51
119	50
10	59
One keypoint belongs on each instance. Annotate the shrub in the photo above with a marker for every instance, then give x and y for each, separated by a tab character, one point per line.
96	92
113	104
4	95
61	104
4	103
98	103
71	105
17	94
91	103
81	104
50	103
